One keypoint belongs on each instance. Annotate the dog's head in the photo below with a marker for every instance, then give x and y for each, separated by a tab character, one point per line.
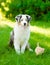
23	20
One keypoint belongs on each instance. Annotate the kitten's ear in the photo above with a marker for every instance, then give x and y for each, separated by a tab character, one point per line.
18	17
28	17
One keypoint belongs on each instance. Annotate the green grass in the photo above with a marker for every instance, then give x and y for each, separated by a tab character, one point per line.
8	55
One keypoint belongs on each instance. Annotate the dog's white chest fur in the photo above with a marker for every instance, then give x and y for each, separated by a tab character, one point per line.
21	33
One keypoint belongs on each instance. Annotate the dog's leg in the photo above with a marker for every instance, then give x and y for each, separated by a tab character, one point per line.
23	47
17	46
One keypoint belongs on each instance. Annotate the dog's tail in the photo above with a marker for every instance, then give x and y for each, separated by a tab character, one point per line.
28	47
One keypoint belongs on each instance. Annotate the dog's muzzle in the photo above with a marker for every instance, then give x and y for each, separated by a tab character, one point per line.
24	24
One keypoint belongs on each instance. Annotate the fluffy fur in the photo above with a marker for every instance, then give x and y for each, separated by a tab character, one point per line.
39	50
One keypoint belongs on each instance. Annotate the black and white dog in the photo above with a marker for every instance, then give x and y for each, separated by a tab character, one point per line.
21	33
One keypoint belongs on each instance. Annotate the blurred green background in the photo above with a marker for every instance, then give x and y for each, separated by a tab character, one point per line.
38	9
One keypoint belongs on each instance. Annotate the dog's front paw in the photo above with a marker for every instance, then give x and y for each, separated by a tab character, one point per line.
22	51
18	52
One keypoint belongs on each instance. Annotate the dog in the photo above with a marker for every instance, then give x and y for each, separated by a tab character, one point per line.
20	35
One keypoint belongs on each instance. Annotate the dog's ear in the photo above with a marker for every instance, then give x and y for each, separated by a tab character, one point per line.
28	17
18	17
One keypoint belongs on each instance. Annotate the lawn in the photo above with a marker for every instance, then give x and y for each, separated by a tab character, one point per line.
40	32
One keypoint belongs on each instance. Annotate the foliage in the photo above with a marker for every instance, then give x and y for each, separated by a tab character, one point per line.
39	8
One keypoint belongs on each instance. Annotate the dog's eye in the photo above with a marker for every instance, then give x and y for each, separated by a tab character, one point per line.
16	19
27	20
21	19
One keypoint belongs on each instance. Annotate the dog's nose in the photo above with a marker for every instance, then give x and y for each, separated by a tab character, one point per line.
24	24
